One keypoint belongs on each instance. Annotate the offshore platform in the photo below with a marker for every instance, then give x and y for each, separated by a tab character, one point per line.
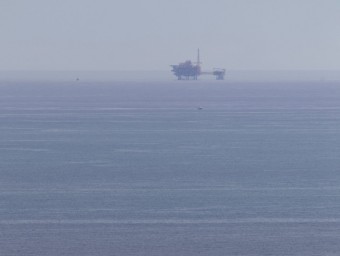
188	70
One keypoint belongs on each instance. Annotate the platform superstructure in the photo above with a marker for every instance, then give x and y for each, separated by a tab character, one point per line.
188	70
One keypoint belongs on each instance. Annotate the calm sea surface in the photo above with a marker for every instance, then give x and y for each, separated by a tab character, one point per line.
179	168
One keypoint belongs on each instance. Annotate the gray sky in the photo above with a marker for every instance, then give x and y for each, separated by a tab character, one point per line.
151	34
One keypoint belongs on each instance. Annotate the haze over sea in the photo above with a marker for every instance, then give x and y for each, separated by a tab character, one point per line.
169	168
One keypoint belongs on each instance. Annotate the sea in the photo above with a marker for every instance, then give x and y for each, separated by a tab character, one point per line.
169	168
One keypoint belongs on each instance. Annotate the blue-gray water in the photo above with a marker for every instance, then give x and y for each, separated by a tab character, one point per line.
137	169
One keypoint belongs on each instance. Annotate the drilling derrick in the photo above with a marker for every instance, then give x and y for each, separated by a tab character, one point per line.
187	70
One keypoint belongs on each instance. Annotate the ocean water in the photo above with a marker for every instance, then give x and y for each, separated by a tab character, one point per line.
169	168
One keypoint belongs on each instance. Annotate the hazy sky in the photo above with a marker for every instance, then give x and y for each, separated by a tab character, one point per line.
151	34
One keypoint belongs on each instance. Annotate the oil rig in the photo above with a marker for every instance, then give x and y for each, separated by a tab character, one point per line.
188	70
